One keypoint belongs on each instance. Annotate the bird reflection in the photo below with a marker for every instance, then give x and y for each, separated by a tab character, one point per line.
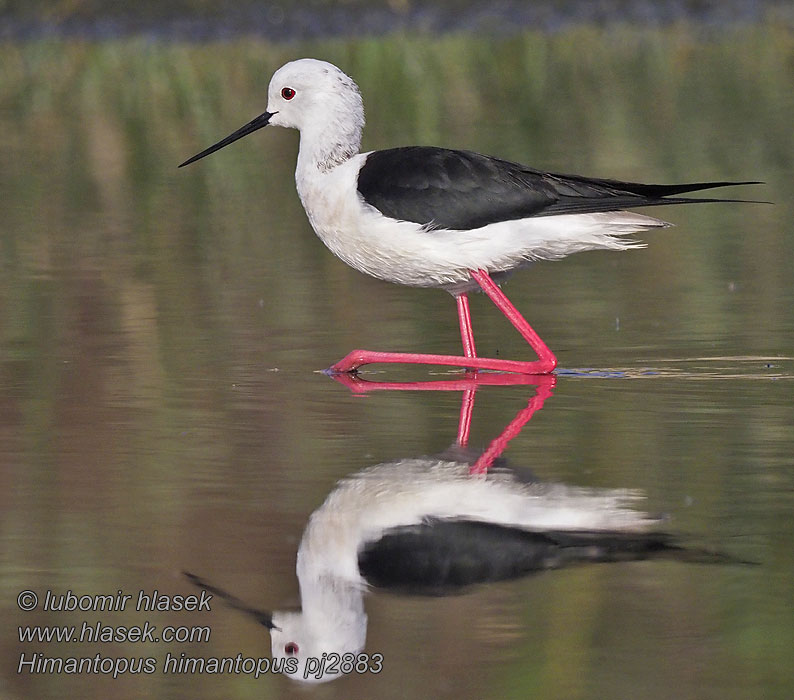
436	525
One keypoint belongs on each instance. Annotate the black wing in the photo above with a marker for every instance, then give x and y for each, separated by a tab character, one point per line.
461	190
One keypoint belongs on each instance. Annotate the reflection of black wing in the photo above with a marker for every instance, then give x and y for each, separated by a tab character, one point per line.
440	557
461	190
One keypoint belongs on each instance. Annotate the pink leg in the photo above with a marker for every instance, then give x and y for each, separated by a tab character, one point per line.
546	357
544	365
466	332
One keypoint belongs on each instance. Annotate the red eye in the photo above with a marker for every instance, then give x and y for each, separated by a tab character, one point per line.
290	649
287	93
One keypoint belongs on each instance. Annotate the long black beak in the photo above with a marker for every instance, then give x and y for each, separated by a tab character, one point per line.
262	617
251	127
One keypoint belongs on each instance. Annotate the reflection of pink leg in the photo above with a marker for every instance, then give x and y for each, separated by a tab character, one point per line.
464	422
468	381
498	445
544	365
469	386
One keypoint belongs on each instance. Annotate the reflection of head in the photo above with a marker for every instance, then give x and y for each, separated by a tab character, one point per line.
314	651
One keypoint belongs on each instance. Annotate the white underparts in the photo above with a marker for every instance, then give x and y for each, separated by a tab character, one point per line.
406	253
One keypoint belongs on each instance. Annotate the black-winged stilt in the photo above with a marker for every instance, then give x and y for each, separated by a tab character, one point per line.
433	217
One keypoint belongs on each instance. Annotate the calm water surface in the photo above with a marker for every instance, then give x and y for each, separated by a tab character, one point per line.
162	332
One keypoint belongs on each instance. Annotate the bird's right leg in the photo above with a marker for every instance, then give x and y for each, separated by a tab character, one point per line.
546	360
466	332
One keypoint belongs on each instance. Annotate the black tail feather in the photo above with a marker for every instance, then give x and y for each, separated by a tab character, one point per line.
658	191
619	195
570	205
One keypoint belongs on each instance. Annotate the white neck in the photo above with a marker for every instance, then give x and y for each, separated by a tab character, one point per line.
329	142
334	608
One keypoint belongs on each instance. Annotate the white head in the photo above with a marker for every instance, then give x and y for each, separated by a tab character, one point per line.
308	92
316	98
